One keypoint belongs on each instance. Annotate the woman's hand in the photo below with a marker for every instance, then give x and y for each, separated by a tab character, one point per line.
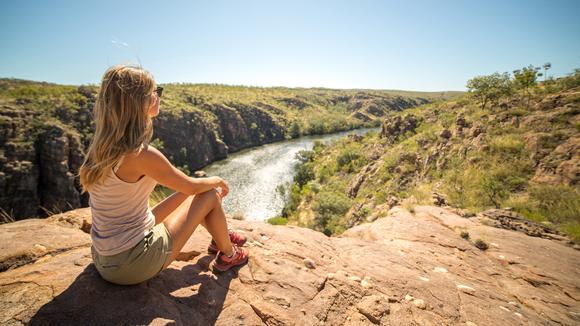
222	184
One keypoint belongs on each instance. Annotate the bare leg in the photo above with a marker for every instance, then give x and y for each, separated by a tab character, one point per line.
177	200
214	223
185	219
168	205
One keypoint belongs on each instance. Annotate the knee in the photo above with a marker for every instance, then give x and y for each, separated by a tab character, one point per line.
212	197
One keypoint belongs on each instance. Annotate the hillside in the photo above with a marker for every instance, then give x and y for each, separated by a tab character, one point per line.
521	153
408	268
46	128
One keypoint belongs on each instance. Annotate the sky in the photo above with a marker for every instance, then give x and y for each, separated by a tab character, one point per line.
411	45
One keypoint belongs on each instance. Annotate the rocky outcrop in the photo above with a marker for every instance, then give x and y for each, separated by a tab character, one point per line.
509	220
376	105
395	127
60	156
405	269
38	174
18	168
562	165
371	107
368	171
233	127
460	125
246	126
189	139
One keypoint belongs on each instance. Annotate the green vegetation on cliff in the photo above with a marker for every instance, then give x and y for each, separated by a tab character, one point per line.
46	128
516	148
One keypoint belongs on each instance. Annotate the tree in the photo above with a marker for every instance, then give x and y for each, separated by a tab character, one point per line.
304	173
494	189
490	88
295	130
546	66
526	78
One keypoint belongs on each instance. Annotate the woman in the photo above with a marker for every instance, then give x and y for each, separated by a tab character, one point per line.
132	242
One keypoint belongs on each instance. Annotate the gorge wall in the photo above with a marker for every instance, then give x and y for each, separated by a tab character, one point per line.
45	129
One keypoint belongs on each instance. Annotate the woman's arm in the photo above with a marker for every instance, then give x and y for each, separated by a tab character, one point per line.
154	164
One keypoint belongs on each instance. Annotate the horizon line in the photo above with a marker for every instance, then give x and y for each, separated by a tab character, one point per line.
247	85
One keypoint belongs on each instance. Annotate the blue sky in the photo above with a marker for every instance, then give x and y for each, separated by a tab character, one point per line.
414	45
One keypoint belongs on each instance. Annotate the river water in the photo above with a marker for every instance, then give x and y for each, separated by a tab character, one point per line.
254	174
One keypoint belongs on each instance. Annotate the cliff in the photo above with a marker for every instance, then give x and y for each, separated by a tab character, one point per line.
45	129
420	268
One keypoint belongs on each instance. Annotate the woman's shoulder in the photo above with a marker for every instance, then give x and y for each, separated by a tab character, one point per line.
146	154
141	152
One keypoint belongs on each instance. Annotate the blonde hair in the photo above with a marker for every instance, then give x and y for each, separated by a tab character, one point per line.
122	122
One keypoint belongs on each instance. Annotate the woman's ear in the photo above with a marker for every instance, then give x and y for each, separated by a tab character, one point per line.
153	110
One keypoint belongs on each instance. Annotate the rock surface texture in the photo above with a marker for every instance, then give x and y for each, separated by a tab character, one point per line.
403	269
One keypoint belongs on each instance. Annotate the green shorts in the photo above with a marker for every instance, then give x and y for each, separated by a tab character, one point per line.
137	264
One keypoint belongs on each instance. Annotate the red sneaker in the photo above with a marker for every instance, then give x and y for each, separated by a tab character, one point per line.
222	263
235	237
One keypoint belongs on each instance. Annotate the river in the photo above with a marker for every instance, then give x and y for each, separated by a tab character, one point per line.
254	174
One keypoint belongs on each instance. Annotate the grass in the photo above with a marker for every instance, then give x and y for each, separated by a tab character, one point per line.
6	217
278	220
572	229
510	144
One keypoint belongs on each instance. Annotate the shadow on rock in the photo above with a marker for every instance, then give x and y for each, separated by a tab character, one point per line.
192	296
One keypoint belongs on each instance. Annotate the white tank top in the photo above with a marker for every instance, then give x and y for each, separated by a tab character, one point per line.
121	213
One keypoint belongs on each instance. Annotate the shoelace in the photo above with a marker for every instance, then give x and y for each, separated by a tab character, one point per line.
234	253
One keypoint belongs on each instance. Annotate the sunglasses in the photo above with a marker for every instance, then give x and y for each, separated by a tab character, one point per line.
159	91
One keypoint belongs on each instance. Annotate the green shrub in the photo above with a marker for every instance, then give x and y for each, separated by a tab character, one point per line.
157	143
334	226
494	189
281	189
278	220
331	203
183	153
481	245
293	201
365	211
381	197
390	161
318	146
317	128
326	172
295	129
350	158
304	173
330	208
305	156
